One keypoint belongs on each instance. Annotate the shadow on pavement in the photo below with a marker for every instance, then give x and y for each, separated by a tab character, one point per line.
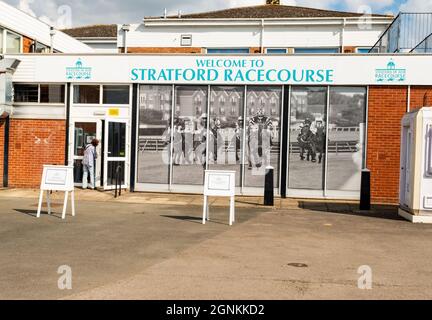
192	219
388	212
33	213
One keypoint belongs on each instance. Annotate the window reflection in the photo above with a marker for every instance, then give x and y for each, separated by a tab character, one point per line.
307	144
226	129
262	134
190	135
154	135
347	124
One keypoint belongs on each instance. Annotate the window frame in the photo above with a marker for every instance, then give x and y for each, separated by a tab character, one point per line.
4	42
39	95
101	102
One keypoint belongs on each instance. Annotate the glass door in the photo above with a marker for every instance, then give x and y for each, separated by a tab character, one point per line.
82	134
115	154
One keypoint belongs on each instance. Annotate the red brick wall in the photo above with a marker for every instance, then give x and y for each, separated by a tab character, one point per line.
2	128
387	105
27	45
420	96
181	50
34	143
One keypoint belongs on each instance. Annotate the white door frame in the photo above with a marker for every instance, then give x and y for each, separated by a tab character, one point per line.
73	157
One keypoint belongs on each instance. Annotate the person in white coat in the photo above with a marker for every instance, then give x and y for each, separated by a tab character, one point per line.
90	156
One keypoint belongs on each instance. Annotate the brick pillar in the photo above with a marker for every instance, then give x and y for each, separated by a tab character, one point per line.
387	106
34	143
421	96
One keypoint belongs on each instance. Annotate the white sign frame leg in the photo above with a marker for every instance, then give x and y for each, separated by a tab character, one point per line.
65	201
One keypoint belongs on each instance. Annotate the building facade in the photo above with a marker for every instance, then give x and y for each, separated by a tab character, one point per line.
317	119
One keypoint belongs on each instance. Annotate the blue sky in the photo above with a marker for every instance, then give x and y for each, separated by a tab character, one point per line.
84	12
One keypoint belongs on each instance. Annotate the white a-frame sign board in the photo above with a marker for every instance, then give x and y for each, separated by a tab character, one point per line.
57	178
219	184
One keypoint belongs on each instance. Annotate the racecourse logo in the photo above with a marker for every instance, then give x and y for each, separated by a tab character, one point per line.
79	72
390	74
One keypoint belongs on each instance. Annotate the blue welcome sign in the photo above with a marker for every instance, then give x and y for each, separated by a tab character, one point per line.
390	74
79	72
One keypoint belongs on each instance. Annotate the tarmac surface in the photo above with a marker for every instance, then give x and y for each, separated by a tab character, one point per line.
153	246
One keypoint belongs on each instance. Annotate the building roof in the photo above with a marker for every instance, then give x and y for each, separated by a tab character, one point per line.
93	31
269	11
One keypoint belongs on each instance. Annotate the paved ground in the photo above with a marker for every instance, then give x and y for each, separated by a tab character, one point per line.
149	250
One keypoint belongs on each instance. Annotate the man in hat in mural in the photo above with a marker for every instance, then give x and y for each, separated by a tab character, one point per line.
259	131
238	137
200	140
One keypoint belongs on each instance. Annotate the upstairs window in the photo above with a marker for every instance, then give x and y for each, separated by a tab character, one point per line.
1	39
227	50
316	50
13	42
276	50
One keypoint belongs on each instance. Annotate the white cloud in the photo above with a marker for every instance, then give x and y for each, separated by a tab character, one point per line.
416	6
354	5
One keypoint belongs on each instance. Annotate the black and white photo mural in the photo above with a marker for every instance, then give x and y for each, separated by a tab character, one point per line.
307	138
190	135
327	158
263	119
226	129
154	134
347	129
184	130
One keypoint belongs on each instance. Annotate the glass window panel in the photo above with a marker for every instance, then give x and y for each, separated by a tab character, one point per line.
116	94
316	50
26	92
190	135
113	166
276	50
154	135
227	50
116	139
307	138
87	94
13	43
41	48
226	129
263	123
1	40
84	133
78	172
346	138
52	93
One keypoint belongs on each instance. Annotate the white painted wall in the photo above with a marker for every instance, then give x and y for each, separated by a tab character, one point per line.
102	47
277	33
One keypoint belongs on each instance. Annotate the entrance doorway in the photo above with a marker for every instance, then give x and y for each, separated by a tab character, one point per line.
112	161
